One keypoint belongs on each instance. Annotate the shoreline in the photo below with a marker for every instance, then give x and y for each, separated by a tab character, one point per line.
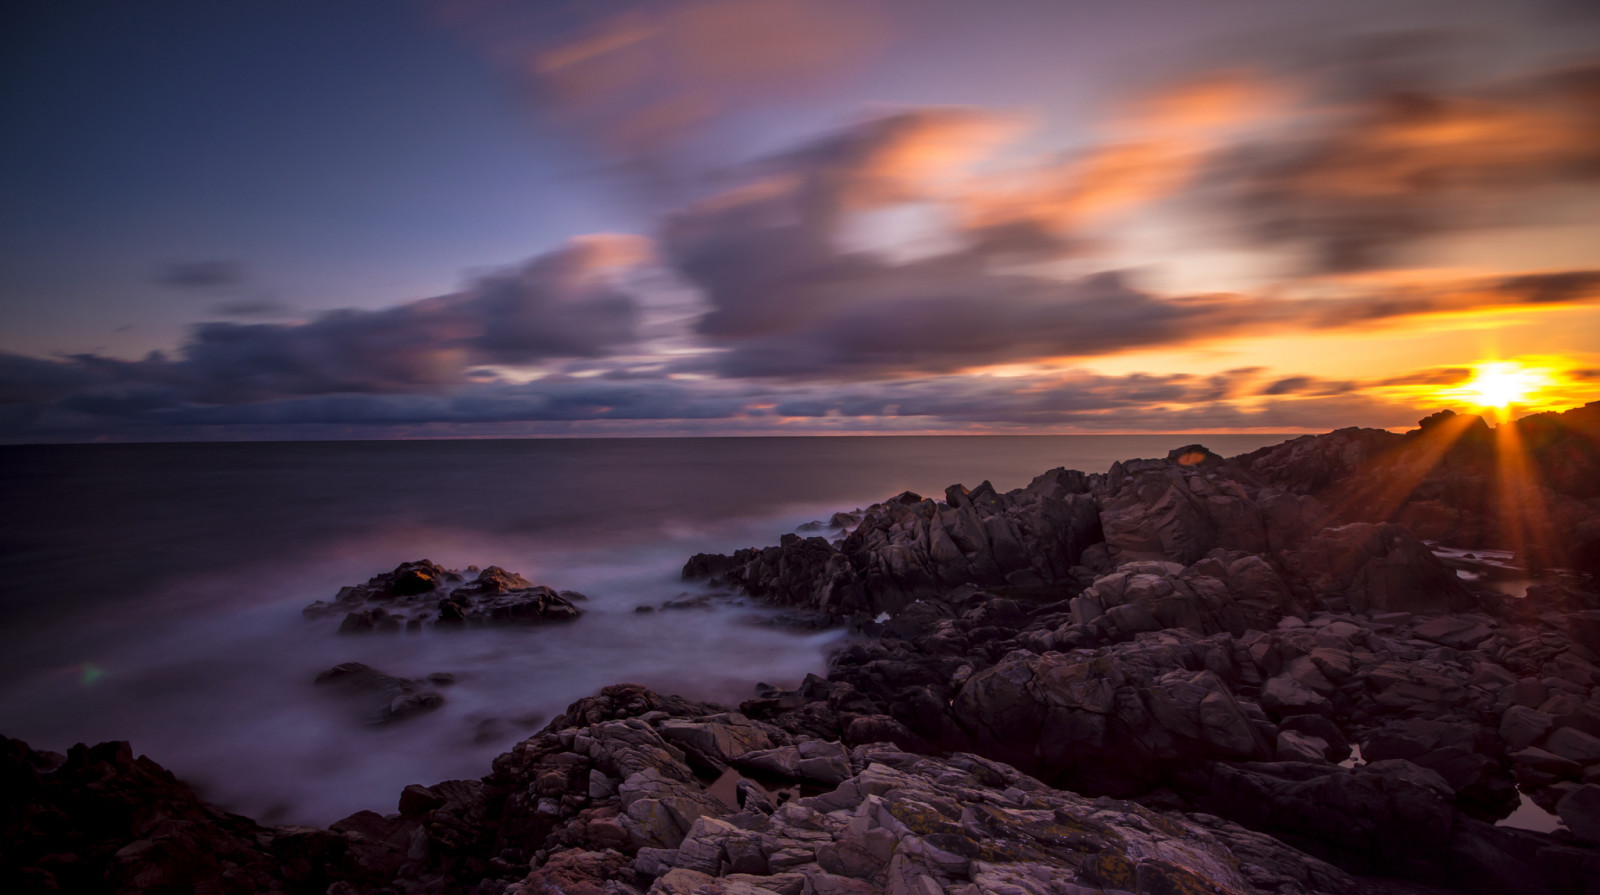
1160	647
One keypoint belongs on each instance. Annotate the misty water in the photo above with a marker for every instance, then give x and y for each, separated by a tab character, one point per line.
153	593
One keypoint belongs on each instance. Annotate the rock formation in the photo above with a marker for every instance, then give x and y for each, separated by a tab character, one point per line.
421	594
1187	674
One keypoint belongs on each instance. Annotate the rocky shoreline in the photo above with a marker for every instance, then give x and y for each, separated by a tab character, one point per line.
1187	674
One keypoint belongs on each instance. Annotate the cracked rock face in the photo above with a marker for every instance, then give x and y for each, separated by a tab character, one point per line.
897	822
1204	636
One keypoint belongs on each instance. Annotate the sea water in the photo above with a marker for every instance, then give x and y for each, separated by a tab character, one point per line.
152	593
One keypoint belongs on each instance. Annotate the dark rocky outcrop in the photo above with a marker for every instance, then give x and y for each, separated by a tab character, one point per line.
1530	485
100	820
421	594
1139	681
911	546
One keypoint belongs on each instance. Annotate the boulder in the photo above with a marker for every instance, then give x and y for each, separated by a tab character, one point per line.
1580	811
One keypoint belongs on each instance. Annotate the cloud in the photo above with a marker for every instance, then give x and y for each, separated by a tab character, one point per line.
1074	399
1288	386
1388	150
564	304
201	275
788	297
1438	376
649	79
253	307
87	397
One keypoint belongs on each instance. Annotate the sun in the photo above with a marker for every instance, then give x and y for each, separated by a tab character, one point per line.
1499	385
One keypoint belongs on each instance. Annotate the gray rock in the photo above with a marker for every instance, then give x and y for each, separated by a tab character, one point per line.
1574	744
1293	746
1283	696
1456	632
1580	811
1522	727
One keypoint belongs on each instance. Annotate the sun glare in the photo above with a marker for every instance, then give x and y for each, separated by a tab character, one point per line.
1499	385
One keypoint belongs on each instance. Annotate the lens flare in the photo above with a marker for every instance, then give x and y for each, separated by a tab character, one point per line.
1501	385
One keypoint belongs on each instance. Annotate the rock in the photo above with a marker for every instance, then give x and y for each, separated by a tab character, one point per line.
1443	479
1377	568
908	547
1292	746
1575	745
1536	767
1455	632
1284	696
1384	814
1521	726
1580	811
416	800
379	698
1322	728
422	594
1169	510
1109	720
717	739
100	819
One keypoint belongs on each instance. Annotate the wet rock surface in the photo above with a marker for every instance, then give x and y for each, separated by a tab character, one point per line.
422	594
1150	680
377	698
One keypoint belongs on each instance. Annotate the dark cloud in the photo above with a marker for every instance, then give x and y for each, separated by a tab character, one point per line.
1288	386
1439	376
787	300
30	380
82	397
645	83
201	275
1392	151
67	409
1552	288
253	307
563	304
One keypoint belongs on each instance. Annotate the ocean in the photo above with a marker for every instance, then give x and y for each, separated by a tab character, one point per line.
153	592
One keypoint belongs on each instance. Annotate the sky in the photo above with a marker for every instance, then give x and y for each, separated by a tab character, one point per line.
482	218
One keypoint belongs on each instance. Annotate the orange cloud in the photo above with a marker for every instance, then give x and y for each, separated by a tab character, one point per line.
1154	148
1362	178
639	80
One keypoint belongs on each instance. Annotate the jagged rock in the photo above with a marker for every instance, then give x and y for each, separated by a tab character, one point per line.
909	546
1176	510
1378	568
1383	814
422	594
100	820
1444	481
1111	718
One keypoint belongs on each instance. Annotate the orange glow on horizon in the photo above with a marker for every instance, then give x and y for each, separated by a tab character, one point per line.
1502	387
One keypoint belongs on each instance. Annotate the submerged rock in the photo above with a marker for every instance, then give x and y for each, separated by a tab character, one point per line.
379	698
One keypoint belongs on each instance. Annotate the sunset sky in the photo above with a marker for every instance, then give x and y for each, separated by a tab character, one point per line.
375	218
